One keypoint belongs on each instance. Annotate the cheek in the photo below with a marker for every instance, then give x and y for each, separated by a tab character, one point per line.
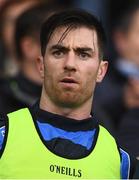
52	69
50	74
92	73
89	81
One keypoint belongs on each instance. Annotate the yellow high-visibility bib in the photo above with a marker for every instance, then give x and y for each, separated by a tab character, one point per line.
26	157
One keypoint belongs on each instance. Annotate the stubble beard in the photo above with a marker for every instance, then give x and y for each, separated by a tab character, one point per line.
68	98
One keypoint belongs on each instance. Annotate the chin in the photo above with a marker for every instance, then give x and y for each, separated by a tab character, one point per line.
69	102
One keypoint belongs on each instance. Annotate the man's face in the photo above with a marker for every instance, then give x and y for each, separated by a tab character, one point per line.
71	67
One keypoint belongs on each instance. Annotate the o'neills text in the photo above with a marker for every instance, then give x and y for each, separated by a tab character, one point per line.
65	170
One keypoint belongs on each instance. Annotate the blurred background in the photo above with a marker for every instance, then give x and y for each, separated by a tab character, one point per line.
116	102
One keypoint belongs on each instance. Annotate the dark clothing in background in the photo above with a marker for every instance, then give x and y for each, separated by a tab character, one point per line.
103	118
136	175
17	92
128	132
124	121
109	95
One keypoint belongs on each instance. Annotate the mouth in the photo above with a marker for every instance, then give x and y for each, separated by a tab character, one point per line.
69	81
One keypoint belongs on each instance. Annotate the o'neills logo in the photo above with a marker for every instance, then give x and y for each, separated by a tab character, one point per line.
65	170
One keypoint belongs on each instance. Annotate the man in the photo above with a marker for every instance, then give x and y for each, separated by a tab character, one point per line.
58	138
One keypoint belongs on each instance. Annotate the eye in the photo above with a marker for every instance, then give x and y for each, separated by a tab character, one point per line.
58	54
84	56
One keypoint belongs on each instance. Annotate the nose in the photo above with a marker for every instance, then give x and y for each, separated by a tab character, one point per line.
70	62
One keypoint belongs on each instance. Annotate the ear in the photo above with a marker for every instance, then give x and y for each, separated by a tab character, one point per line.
102	70
40	66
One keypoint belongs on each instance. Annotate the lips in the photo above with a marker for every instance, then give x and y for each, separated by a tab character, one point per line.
69	80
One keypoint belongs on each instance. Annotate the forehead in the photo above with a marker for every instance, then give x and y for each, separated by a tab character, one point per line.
81	36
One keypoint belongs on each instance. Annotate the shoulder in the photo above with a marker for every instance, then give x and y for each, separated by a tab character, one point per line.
107	135
136	174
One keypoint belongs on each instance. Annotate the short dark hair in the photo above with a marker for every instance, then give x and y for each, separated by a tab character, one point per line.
72	18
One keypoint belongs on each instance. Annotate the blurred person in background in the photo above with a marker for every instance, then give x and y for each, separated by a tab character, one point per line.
1	53
1	2
24	88
121	86
127	41
9	12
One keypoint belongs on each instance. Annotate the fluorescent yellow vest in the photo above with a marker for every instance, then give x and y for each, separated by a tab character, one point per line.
26	157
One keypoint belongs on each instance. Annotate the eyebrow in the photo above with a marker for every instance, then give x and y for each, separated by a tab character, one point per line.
84	49
59	47
78	49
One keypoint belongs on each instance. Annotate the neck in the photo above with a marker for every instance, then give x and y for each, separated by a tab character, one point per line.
78	113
